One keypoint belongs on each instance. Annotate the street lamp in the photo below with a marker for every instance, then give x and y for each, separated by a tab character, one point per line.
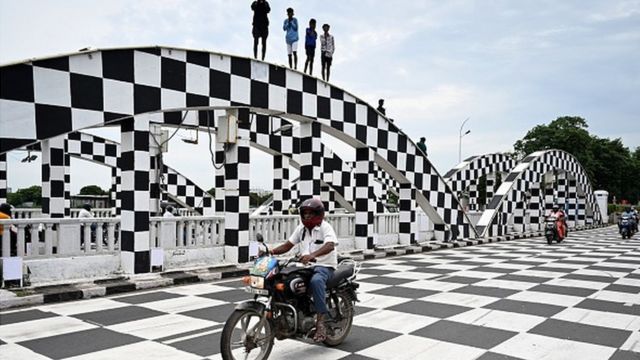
461	135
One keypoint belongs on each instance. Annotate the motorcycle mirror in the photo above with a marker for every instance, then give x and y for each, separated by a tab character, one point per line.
259	238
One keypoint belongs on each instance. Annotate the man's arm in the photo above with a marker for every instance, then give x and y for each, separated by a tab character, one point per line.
282	248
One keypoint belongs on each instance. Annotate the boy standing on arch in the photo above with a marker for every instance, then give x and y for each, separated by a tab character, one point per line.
310	45
327	47
290	25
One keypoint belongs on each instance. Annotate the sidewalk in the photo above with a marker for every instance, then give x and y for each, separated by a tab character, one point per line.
28	296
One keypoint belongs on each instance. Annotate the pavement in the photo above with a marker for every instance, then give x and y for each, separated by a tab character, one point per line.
37	295
518	299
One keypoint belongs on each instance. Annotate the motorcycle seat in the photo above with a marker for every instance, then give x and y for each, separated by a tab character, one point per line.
342	272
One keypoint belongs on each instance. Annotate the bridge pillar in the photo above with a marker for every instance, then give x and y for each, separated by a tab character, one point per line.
310	160
535	211
3	178
155	154
561	190
491	183
548	197
55	203
581	216
281	191
364	198
134	225
236	191
328	198
572	202
115	190
407	206
473	197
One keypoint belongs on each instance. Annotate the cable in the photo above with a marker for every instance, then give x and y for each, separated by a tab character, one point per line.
224	147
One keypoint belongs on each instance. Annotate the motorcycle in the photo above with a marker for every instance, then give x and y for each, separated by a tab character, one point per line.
282	308
551	229
626	226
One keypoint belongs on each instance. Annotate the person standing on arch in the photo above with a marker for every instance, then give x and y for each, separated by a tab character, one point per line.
327	47
290	25
260	25
310	45
422	145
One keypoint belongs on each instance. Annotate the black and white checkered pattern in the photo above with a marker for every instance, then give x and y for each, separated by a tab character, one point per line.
465	176
134	218
3	178
505	300
310	160
281	190
365	198
55	200
512	192
236	193
108	85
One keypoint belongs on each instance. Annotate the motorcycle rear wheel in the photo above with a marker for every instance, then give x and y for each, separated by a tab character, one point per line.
341	329
243	332
549	239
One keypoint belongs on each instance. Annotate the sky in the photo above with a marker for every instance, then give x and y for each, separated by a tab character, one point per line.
507	66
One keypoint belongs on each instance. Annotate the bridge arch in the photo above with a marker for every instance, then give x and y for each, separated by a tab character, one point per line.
526	176
44	98
466	175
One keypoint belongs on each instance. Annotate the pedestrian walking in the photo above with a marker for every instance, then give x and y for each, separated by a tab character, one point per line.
260	25
290	26
310	45
327	47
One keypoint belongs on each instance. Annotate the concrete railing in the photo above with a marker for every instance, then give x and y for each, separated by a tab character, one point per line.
36	213
57	250
46	237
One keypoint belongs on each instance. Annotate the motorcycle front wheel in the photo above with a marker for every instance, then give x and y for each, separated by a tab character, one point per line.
337	331
246	335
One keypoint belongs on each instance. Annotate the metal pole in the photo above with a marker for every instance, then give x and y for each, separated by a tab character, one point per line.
460	140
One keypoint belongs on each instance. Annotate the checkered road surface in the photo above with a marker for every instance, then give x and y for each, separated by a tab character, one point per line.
520	299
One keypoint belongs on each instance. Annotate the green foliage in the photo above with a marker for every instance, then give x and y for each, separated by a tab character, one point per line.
256	200
30	194
609	164
212	192
93	190
392	198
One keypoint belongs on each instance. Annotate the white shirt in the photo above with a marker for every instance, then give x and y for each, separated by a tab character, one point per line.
314	240
84	213
327	46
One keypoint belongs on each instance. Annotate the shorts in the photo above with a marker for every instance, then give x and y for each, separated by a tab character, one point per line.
326	60
292	47
260	33
311	51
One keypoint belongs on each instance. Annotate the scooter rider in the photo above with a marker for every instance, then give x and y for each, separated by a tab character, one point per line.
318	241
561	224
629	212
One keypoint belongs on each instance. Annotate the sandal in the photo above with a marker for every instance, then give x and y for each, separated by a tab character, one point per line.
321	332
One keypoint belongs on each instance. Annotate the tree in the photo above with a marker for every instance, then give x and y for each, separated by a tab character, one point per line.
30	194
93	190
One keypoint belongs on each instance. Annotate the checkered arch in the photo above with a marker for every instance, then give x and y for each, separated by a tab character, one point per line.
523	180
44	98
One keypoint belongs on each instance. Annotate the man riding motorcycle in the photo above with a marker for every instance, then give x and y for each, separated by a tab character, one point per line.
319	242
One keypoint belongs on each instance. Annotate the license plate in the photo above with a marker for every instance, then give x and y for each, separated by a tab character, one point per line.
255	291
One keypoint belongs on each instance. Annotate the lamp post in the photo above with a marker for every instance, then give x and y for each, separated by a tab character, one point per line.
460	136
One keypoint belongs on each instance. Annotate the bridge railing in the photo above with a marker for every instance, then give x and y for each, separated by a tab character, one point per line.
35	213
46	237
38	237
